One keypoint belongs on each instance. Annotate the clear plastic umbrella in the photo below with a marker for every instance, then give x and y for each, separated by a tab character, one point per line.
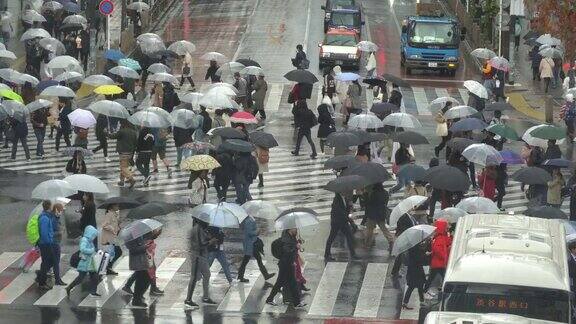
109	108
51	6
252	70
138	6
476	88
402	120
450	214
149	119
230	68
97	80
483	53
10	75
482	154
63	62
87	183
296	218
53	45
75	19
69	76
191	98
404	207
412	237
552	53
460	112
217	100
367	46
478	205
23	78
38	104
163	77
261	209
148	36
15	110
139	228
221	90
160	112
182	47
184	118
51	189
547	39
500	63
124	72
82	118
220	215
221	84
214	56
7	55
151	45
158	68
32	16
58	91
365	121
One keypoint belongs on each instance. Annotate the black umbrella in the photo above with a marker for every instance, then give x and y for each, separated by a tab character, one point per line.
70	27
248	62
164	53
237	145
373	172
383	108
468	124
228	132
347	183
263	139
532	176
343	139
122	202
151	209
396	80
559	163
411	172
340	162
531	35
547	212
460	143
499	105
377	81
409	137
367	137
448	178
301	76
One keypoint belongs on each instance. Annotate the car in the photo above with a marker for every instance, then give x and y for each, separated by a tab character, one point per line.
349	18
339	48
335	4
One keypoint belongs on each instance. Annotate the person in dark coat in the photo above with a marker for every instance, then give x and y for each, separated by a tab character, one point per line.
375	200
39	119
415	276
339	223
327	125
139	263
85	50
144	149
401	157
223	175
76	165
88	213
552	151
250	232
501	180
299	58
211	72
304	120
170	99
65	128
404	222
572	265
20	129
245	171
181	137
101	131
286	279
395	96
536	58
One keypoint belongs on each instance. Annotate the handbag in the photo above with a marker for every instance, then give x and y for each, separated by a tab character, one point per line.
335	100
29	258
442	130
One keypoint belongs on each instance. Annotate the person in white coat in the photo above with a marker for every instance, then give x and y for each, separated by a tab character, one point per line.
187	71
198	184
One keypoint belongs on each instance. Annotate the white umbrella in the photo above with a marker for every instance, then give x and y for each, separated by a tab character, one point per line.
149	119
23	78
230	68
220	215
404	207
476	88
51	189
182	47
158	68
69	76
440	102
7	54
63	62
52	6
15	110
96	80
191	98
412	237
138	6
535	141
221	90
217	100
82	118
2	46
478	205
87	183
500	63
365	121
184	118
252	70
261	209
402	120
483	53
148	36
551	52
38	104
75	19
160	112
151	45
221	84
58	91
547	39
124	72
450	214
296	218
482	154
163	77
10	75
109	108
367	46
214	56
460	112
32	16
139	228
53	45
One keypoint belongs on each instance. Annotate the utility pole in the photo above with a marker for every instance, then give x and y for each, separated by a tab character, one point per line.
500	29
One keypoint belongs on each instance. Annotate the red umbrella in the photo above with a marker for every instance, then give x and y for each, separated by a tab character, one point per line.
243	117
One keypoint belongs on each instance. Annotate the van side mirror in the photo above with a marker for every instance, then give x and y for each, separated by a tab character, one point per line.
404	29
323	7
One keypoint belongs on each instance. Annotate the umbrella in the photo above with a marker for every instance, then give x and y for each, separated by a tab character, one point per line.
248	62
365	121
217	100
69	76
237	145
184	118
45	84
546	212
511	157
71	7
411	238
301	76
441	102
75	19
229	68
130	63
476	88
214	56
346	183
125	72
547	39
445	177
192	98
343	139
9	94
478	205
373	172
532	175
383	108
182	47
82	118
375	81
263	139
500	63
53	45
400	119
450	214
367	46
38	104
340	162
395	80
163	77
549	132
127	103
504	131
96	80
499	105
482	154
252	70
296	218
9	75
533	140
220	215
468	124
227	132
121	202
243	117
347	76
109	108
160	112
138	228
7	54
158	68
138	6
71	151
552	52
411	172
32	16
221	91
114	55
409	137
63	62
198	146
15	110
460	112
87	183
261	209
220	85
23	78
151	209
405	206
559	163
51	189
366	136
108	90
149	119
199	162
483	53
52	6
71	27
34	33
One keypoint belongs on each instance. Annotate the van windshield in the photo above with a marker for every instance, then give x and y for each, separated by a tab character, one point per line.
340	40
531	302
433	33
348	19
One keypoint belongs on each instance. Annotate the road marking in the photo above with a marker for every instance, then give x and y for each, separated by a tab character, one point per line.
442	92
368	300
214	273
19	285
238	293
7	258
245	34
109	285
55	295
421	101
327	291
464	95
274	97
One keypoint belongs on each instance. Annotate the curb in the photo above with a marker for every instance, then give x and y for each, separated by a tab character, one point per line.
519	103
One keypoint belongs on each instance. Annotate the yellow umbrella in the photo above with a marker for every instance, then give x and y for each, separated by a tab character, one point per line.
108	90
9	94
199	162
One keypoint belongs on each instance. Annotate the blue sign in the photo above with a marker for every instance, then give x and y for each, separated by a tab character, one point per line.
106	7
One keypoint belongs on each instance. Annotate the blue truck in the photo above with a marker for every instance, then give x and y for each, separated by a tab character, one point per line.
431	42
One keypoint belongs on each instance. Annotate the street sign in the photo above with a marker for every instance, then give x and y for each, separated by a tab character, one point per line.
106	7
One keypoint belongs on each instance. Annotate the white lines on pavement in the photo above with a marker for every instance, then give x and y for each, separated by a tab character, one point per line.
327	291
306	31
274	97
421	101
7	258
109	285
19	285
368	301
55	295
464	95
238	293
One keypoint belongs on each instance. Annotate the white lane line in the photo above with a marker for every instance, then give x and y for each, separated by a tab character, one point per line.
7	258
238	293
464	95
19	285
55	295
442	92
327	291
214	273
274	97
306	31
109	285
421	101
368	301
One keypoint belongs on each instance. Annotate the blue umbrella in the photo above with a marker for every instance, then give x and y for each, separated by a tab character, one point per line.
511	157
114	55
71	7
468	124
347	76
559	163
45	84
411	172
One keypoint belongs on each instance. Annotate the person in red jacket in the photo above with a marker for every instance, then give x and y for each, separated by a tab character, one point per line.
487	181
441	243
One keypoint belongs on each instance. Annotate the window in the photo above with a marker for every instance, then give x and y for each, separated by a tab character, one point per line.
340	40
348	19
433	33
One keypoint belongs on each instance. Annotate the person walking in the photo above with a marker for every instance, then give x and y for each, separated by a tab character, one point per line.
45	244
402	157
554	195
353	101
57	211
199	263
181	136
250	234
144	151
415	277
20	134
395	96
376	211
85	47
442	128
101	131
198	185
440	250
159	150
263	157
39	119
109	235
224	174
88	213
246	171
300	61
404	222
304	120
487	181
86	266
216	251
65	128
286	279
327	125
535	59
187	71
76	165
260	88
501	181
242	86
211	72
339	223
139	263
546	71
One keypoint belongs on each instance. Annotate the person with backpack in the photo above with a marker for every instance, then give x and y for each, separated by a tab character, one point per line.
285	249
86	265
126	142
199	263
250	233
304	120
339	223
144	149
45	243
263	157
76	165
159	150
246	170
300	61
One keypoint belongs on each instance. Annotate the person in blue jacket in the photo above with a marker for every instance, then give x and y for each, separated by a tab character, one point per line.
65	128
45	244
86	266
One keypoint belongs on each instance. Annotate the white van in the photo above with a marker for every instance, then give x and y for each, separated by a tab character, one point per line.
510	264
475	318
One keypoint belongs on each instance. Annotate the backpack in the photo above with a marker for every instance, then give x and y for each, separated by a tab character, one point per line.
75	259
263	156
33	229
277	248
253	169
186	69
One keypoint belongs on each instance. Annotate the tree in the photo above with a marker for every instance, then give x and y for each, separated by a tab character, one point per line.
558	18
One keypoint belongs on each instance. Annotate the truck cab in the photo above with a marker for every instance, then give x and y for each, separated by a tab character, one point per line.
350	18
335	4
339	48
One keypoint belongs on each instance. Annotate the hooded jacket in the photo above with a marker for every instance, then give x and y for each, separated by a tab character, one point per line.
441	244
87	249
46	228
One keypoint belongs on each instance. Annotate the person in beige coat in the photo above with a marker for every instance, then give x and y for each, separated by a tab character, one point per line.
109	234
546	71
554	196
158	92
